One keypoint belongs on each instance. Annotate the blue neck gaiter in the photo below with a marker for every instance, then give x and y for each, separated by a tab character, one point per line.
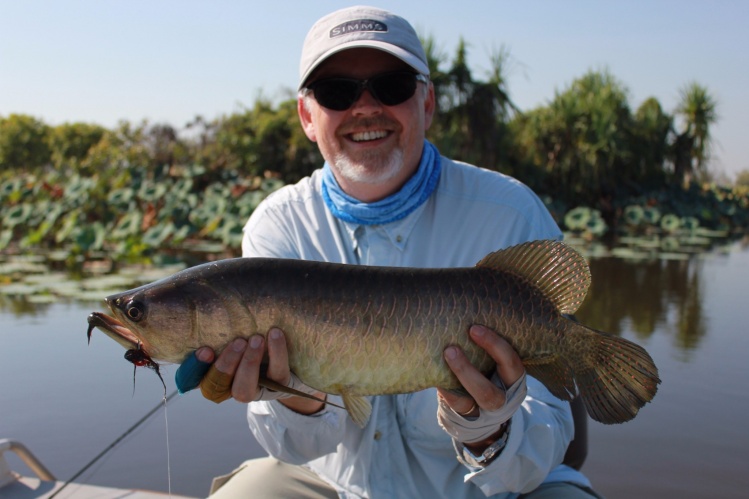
394	207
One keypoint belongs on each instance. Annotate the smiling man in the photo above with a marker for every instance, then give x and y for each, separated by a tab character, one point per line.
386	197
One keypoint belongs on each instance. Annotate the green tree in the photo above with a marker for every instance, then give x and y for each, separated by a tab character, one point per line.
264	138
23	143
123	149
472	115
651	132
692	148
70	143
742	178
164	147
582	140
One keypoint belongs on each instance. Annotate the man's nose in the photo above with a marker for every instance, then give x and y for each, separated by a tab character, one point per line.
367	104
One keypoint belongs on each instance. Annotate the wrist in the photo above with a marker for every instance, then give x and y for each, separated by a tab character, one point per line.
481	454
303	405
481	445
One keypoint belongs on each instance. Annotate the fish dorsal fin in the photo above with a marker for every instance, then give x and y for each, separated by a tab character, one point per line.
559	271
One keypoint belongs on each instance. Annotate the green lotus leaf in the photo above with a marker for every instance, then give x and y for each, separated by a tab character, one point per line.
156	235
269	185
577	218
651	215
690	223
150	191
90	237
634	214
121	197
596	226
18	214
128	225
670	223
69	223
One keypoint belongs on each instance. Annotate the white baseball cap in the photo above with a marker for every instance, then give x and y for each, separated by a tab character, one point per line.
356	27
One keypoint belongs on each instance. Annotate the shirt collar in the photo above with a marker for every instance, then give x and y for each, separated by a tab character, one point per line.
398	232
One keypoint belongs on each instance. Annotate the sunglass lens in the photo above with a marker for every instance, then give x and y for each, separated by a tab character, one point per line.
394	88
336	94
340	94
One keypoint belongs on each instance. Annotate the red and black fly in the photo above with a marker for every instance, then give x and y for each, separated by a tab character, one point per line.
140	358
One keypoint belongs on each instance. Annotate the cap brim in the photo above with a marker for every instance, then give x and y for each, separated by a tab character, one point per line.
398	52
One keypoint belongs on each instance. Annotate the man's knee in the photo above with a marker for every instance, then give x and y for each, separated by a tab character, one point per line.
269	477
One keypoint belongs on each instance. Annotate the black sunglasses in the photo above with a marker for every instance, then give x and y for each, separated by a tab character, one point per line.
389	89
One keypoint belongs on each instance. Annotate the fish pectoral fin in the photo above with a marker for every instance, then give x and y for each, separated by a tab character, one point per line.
277	387
358	407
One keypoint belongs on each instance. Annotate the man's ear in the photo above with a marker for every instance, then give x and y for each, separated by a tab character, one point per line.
430	105
305	117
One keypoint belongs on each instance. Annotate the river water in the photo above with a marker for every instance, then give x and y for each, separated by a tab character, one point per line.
67	401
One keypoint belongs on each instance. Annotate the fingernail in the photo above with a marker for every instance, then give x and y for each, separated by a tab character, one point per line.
275	333
451	353
256	341
238	345
203	355
477	331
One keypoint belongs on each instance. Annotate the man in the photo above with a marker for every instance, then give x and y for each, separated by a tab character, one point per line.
386	197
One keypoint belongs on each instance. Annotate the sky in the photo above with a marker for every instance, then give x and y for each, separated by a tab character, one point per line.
168	61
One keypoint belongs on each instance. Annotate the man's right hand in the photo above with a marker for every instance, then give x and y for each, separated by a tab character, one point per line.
236	372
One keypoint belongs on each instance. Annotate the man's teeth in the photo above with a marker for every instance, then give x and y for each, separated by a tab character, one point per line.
372	135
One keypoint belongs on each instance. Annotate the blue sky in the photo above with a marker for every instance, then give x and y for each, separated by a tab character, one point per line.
102	61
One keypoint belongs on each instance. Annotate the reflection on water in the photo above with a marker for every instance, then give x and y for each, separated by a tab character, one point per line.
689	442
19	306
646	297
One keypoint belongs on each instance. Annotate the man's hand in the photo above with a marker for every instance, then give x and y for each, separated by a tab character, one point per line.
236	372
485	407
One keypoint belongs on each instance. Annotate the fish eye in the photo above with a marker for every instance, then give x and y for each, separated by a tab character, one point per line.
135	310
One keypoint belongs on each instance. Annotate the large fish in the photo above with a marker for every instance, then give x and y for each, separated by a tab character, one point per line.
357	330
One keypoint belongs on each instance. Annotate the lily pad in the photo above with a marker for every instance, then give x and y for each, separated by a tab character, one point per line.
19	289
577	218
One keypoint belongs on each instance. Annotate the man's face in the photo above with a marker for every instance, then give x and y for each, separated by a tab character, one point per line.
369	143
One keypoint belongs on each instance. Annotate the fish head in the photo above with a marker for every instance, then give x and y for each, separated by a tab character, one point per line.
169	319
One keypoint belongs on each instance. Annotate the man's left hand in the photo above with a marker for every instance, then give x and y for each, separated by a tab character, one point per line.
487	396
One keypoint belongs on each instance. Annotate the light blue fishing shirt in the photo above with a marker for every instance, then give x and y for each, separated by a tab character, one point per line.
402	451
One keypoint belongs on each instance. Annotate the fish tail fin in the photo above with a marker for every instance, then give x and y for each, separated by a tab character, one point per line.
615	377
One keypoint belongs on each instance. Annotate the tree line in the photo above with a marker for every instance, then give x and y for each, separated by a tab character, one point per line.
586	147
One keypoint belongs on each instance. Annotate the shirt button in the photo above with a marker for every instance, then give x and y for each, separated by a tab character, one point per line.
377	435
398	239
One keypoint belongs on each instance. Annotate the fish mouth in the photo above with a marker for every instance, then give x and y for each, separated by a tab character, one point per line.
114	329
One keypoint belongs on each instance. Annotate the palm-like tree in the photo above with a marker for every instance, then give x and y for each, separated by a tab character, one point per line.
693	146
472	119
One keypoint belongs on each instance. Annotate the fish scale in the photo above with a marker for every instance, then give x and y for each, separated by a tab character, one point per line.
357	331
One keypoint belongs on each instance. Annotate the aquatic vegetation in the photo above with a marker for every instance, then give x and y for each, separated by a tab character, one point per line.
127	215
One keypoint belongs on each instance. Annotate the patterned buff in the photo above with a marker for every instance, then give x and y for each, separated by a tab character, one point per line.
392	208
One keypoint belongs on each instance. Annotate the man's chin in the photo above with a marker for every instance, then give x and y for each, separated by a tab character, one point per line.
369	170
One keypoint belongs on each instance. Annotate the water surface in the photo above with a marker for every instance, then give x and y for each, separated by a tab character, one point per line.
67	401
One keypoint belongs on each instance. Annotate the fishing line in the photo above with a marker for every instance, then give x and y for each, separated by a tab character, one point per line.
120	439
168	457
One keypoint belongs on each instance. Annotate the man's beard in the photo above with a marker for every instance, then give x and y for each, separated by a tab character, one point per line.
369	167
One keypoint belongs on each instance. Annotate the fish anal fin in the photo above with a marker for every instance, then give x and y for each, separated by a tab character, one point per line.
554	373
560	272
358	407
